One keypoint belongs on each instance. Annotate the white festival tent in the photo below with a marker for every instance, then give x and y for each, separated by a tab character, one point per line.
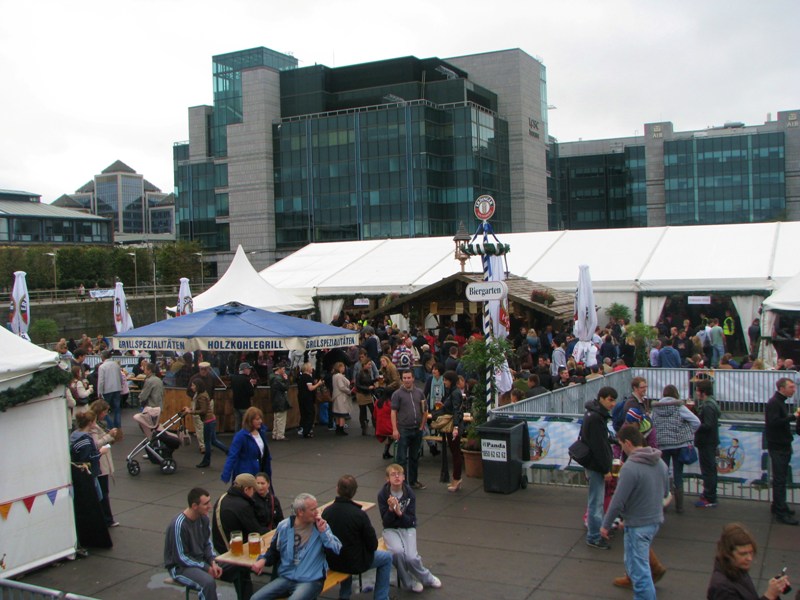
241	283
752	259
39	525
785	298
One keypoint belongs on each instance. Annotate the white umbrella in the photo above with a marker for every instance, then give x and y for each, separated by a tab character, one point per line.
585	315
122	320
185	305
19	310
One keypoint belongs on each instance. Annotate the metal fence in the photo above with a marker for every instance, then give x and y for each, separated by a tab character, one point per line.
742	396
15	590
740	393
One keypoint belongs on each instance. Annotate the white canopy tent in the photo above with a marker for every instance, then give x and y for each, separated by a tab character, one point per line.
241	283
38	526
785	298
746	258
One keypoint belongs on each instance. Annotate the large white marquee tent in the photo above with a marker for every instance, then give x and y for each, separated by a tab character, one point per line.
751	259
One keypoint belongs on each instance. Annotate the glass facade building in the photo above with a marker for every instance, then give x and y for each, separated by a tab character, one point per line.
728	174
725	179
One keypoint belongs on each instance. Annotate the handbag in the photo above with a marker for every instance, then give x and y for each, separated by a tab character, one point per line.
323	394
443	424
688	455
580	452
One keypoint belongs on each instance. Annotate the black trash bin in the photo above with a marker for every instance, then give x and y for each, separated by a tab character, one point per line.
504	446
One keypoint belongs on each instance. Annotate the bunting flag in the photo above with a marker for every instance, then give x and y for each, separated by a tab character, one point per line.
52	495
4	508
28	502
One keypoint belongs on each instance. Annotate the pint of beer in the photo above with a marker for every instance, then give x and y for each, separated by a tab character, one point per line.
237	543
616	465
254	545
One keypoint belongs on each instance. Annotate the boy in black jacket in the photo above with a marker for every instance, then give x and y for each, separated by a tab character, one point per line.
594	432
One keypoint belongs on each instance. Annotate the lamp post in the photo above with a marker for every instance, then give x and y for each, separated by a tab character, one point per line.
135	272
55	272
202	270
461	237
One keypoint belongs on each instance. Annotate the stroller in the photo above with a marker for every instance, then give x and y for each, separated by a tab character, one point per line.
159	442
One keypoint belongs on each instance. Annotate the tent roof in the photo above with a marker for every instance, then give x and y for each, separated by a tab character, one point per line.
786	297
241	283
655	259
21	358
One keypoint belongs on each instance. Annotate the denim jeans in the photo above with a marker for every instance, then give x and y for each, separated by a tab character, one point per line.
708	468
114	400
407	454
677	466
716	354
780	461
597	492
292	590
637	560
382	563
210	435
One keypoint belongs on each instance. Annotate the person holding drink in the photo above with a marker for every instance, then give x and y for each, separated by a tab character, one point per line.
234	519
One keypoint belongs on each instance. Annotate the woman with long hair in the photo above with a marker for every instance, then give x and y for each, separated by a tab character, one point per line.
249	451
736	549
341	397
268	508
453	404
365	378
103	438
204	408
78	394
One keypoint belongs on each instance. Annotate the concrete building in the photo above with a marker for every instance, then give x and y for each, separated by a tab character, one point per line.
396	148
140	211
728	174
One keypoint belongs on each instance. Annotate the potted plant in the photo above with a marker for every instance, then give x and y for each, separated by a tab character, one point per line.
542	297
643	335
477	358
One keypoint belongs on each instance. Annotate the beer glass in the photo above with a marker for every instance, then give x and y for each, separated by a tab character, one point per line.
237	543
254	545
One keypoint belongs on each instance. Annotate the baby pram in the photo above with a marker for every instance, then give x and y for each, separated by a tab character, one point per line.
159	442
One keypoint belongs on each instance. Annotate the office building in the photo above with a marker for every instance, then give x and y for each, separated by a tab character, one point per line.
394	148
25	220
728	174
140	211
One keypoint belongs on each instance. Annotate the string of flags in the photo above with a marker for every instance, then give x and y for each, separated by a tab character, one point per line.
28	501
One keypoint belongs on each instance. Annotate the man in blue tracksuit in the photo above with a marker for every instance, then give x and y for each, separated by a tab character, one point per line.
301	541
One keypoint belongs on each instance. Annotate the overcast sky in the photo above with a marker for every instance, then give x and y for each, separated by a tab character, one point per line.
87	83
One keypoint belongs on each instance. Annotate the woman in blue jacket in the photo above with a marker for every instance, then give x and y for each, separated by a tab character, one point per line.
249	450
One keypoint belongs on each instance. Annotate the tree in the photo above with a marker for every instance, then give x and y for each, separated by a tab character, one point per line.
642	334
478	356
43	331
619	311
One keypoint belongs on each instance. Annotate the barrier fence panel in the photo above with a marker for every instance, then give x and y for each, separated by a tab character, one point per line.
16	590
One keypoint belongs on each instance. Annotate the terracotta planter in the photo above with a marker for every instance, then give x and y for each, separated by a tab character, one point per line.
473	463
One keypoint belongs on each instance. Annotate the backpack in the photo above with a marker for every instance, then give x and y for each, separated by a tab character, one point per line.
618	414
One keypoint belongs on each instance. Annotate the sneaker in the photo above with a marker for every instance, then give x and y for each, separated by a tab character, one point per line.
416	587
418	485
435	582
703	503
601	544
114	524
299	431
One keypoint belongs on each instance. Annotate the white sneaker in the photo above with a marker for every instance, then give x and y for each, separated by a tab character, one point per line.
416	587
435	582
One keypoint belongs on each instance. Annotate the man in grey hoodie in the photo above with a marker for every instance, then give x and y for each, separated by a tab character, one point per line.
643	485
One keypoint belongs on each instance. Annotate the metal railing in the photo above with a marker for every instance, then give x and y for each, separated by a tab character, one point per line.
15	590
740	393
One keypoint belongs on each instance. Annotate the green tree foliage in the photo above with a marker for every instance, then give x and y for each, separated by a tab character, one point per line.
477	357
43	331
642	335
619	311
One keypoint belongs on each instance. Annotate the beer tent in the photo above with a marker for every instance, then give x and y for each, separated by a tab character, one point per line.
37	525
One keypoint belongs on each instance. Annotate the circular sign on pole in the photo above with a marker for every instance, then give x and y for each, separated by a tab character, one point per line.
484	207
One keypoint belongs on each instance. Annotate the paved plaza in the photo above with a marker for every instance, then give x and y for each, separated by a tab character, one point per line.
528	545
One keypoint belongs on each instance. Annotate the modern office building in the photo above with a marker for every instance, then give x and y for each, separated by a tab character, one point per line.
139	210
728	174
395	148
25	220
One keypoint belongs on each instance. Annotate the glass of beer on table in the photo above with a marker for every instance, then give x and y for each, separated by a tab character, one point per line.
237	543
254	545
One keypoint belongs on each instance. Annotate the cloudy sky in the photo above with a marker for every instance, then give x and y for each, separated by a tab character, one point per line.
86	83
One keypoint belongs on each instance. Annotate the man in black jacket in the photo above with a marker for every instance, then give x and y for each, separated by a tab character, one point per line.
706	440
359	552
235	511
594	432
778	433
243	386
